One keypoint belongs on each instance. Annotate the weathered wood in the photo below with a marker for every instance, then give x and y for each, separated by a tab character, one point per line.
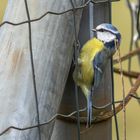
52	39
64	130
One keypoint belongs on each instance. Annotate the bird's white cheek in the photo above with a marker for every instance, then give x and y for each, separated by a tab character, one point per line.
105	36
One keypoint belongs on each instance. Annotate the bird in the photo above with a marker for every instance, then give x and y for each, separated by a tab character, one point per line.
92	60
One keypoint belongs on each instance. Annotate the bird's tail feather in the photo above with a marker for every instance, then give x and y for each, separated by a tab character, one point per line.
89	110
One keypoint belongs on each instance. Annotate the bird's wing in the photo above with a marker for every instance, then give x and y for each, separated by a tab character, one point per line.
99	64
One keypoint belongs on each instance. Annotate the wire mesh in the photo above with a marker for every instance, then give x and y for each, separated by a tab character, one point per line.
104	115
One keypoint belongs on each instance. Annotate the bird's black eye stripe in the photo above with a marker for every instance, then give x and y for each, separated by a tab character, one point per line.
104	30
101	30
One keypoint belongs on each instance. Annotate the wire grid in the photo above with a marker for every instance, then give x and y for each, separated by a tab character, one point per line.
105	115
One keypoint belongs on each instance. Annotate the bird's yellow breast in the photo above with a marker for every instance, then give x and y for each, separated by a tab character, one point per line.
84	72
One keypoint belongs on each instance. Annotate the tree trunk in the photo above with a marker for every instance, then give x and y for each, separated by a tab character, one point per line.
52	40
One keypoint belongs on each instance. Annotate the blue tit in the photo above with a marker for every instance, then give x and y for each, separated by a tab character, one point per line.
92	61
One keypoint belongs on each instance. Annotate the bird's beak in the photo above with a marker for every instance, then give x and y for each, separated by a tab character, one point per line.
94	30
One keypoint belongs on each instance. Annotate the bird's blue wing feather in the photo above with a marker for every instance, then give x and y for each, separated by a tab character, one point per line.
99	64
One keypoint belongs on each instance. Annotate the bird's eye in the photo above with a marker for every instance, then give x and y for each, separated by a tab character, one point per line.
101	30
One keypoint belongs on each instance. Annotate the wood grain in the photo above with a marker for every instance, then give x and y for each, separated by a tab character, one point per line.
52	39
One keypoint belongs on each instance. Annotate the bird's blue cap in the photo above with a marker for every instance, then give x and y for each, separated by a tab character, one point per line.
110	28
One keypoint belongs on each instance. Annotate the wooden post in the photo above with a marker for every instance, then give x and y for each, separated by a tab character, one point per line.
65	130
52	40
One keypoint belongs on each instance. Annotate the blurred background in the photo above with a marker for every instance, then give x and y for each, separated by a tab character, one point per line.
121	19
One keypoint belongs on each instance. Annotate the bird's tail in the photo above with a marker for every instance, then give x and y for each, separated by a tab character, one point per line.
89	110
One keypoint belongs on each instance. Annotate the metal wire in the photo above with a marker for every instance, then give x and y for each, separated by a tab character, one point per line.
62	115
29	21
48	12
136	97
76	47
128	55
54	13
112	80
134	15
132	35
33	69
123	91
113	103
138	16
130	74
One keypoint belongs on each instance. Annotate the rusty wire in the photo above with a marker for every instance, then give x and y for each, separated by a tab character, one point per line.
123	94
130	74
70	116
103	115
134	9
128	55
112	89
